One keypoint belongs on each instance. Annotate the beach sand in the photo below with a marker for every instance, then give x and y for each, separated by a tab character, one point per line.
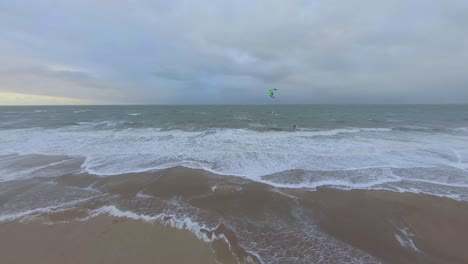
252	218
396	227
102	239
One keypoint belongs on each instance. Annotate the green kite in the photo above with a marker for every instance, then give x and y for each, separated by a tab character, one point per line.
271	92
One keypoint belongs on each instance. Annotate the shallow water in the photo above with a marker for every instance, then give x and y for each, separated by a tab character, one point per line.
418	148
256	222
264	223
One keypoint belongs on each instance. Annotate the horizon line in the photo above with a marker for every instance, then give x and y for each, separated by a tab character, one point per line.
65	105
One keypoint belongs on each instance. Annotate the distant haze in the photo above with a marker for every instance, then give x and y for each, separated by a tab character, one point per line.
232	52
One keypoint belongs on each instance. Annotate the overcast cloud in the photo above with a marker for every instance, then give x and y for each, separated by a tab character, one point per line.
195	52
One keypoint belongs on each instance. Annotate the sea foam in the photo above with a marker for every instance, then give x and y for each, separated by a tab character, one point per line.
251	154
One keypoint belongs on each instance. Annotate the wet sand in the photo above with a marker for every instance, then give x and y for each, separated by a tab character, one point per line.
396	227
102	239
277	224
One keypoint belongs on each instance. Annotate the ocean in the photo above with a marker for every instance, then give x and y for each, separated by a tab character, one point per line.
107	159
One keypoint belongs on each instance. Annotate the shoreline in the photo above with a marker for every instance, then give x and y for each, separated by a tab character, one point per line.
234	221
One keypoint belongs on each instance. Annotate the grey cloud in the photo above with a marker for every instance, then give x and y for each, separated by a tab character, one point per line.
171	74
217	52
44	71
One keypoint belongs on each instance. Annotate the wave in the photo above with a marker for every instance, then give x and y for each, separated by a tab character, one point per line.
348	158
238	152
352	178
203	232
82	111
186	223
30	214
101	125
23	166
332	132
463	129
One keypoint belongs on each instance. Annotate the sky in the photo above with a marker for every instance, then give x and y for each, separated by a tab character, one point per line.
232	52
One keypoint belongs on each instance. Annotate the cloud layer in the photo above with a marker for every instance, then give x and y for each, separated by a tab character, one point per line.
194	52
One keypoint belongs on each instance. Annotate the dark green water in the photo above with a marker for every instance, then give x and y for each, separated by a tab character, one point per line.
259	118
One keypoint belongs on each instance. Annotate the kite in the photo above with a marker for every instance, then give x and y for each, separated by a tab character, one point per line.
271	92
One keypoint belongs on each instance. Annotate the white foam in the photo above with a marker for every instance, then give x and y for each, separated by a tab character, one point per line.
114	211
242	152
256	125
215	187
405	239
134	114
17	166
170	220
439	183
376	129
462	129
332	132
19	215
43	210
82	111
109	124
335	183
143	196
185	223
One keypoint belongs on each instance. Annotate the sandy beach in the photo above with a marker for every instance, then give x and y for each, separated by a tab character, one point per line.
396	227
102	239
140	219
